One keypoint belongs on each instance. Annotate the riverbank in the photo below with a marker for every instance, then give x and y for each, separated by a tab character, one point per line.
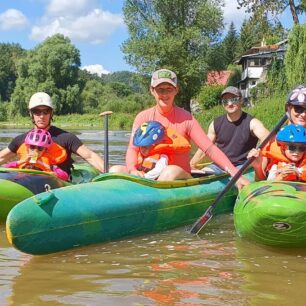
268	110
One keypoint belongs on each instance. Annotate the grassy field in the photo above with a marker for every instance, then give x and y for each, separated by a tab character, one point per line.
268	110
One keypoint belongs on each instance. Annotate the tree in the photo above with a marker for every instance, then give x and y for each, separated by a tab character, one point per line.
295	58
230	45
10	53
253	31
174	35
260	8
51	67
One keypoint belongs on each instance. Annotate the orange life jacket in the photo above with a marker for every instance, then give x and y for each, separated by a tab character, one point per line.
172	142
54	155
276	157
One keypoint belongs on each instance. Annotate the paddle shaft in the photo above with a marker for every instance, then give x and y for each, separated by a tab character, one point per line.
106	153
199	224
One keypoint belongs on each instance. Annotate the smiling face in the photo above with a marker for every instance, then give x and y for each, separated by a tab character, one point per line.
297	114
164	95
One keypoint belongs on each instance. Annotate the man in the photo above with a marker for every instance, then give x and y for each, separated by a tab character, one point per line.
41	112
235	133
164	88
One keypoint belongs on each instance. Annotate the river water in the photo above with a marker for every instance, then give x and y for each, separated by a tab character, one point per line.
168	268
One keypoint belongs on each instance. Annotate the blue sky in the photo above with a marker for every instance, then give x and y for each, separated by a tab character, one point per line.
95	27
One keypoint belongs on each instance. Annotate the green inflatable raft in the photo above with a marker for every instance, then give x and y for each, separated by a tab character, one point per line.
113	207
272	213
17	185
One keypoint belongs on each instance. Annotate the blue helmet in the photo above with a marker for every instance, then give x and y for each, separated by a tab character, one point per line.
149	133
297	96
292	134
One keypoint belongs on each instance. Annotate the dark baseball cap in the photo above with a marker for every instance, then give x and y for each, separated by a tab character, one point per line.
231	90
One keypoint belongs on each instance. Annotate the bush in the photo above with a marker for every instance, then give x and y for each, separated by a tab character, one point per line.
209	96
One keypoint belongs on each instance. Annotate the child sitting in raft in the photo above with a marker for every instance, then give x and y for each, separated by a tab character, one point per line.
156	146
286	157
39	152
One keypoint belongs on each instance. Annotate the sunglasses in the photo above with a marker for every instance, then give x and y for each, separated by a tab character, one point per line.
232	100
164	91
296	149
32	147
299	109
39	112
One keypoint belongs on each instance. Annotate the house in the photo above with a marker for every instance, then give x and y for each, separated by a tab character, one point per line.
255	63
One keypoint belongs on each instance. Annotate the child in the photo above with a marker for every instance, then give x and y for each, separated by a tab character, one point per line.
287	157
39	152
156	147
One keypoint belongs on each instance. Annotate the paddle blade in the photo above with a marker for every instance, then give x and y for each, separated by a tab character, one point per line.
196	228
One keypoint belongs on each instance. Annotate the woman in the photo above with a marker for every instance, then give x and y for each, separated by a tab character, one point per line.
164	88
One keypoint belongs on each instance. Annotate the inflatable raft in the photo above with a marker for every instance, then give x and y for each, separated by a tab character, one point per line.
17	185
272	213
113	207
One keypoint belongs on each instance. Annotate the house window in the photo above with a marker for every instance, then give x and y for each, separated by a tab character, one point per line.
258	62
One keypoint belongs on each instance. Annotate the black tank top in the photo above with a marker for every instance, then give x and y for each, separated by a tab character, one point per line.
235	138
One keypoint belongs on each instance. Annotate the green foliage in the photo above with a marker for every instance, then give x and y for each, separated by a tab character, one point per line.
175	35
51	67
209	96
295	58
253	31
260	9
230	45
276	78
235	75
8	73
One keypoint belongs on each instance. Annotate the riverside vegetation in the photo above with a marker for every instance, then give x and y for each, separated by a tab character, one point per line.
269	110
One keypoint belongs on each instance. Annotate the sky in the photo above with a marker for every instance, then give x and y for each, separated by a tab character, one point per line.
95	27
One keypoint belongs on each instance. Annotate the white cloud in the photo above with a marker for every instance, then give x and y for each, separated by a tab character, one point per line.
78	20
69	8
95	69
231	13
12	19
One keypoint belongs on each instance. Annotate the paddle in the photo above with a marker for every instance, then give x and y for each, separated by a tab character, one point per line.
106	155
199	224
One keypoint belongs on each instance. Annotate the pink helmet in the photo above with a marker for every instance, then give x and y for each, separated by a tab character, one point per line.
39	137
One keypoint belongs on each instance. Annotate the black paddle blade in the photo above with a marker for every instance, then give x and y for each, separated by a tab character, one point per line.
196	228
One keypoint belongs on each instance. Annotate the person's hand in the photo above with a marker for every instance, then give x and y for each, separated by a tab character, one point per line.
137	173
255	153
241	182
285	171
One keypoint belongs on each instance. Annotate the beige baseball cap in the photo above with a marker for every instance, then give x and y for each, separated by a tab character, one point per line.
163	76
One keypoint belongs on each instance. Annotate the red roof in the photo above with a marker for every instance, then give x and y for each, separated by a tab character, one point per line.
218	77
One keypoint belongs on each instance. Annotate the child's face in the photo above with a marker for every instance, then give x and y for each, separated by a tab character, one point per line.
35	150
295	153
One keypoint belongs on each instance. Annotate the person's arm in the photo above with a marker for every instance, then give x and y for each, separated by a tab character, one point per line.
5	155
159	167
258	130
199	155
91	157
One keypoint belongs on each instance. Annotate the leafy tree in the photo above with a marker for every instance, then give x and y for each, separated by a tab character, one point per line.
253	31
295	58
10	53
260	8
230	45
175	35
53	67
